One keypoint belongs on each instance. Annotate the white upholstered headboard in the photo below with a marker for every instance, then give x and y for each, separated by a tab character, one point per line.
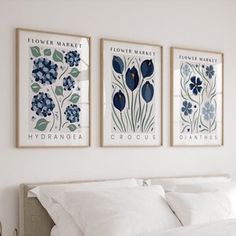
35	221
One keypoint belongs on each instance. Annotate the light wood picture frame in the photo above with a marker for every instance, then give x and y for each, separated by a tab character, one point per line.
53	89
197	114
131	78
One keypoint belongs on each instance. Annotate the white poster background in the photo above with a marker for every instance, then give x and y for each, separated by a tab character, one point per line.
130	139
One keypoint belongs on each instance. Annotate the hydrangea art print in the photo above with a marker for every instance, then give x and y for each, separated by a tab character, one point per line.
197	98
55	89
132	94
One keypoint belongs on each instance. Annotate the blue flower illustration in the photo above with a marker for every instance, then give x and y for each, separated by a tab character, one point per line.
119	100
187	108
68	83
72	58
118	64
44	71
210	71
72	113
147	68
195	85
42	104
208	111
147	92
132	78
186	70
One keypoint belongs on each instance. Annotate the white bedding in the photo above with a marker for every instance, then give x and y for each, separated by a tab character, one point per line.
220	228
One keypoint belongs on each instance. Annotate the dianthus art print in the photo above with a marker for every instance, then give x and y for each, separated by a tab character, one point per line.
53	73
197	98
132	94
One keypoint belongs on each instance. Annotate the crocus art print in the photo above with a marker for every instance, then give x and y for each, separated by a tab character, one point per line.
55	84
197	98
135	94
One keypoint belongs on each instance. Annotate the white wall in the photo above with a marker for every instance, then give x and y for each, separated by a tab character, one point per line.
187	23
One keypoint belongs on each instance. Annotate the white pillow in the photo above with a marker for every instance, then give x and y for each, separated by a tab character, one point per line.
65	224
204	187
169	184
199	208
119	212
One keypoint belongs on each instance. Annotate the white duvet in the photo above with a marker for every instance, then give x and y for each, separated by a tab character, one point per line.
220	228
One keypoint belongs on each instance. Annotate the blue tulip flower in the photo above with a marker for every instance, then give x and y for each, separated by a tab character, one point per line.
147	68
147	92
119	101
118	64
132	78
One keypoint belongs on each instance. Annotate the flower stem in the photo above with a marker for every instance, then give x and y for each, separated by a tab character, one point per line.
63	72
121	117
146	106
65	99
64	124
53	121
59	107
132	109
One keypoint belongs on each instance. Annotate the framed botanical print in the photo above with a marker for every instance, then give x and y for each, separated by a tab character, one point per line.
53	95
197	98
132	93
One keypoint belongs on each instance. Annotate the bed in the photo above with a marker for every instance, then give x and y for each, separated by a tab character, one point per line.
34	219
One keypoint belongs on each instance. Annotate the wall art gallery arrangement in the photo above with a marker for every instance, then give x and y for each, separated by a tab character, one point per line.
53	93
53	89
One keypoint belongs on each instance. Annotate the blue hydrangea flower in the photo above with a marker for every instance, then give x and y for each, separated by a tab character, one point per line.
72	113
186	70
119	101
42	104
187	108
195	85
72	58
44	71
210	71
68	83
208	111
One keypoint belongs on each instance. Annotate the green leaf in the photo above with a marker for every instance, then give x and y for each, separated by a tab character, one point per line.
35	51
47	52
57	56
35	87
74	72
59	91
71	127
74	98
41	124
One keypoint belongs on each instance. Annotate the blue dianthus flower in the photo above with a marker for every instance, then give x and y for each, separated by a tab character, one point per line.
72	113
210	71
72	58
44	71
42	104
